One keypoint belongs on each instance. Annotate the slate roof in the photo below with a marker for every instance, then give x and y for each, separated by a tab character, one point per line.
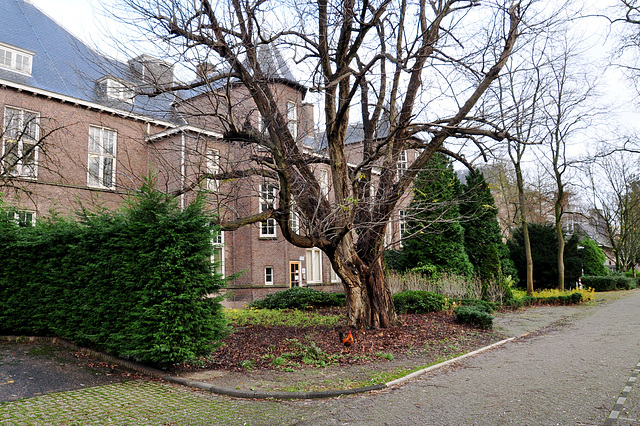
272	65
64	65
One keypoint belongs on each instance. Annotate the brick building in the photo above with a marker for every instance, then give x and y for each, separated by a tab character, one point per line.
80	128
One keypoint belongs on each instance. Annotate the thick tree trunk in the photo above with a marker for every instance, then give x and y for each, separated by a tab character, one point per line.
369	301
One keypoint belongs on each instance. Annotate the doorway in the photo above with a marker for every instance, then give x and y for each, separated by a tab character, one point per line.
294	274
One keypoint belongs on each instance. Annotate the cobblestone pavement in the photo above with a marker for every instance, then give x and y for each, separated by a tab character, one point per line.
571	374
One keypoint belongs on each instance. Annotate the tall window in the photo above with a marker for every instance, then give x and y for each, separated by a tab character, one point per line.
335	278
294	218
402	164
20	142
314	266
15	59
218	252
292	118
102	155
267	202
268	275
324	183
213	168
402	224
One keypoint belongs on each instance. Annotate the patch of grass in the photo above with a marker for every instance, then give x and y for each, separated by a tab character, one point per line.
247	364
42	350
303	354
387	356
280	317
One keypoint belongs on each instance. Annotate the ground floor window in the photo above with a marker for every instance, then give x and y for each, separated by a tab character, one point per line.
314	266
268	275
218	252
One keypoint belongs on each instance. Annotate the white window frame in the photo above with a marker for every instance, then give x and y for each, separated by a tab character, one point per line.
402	224
268	275
117	89
23	217
402	163
267	201
22	128
102	153
213	168
335	278
16	59
324	183
314	266
218	252
292	118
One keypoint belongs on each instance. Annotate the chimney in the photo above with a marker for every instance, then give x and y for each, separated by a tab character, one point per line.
154	71
307	120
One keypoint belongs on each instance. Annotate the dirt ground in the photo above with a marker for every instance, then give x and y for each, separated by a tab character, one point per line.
314	359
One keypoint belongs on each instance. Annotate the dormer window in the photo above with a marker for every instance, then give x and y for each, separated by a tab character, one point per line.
15	59
116	89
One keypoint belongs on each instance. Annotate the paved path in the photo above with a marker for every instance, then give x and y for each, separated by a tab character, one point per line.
570	375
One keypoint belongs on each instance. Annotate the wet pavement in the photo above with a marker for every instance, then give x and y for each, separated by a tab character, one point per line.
31	369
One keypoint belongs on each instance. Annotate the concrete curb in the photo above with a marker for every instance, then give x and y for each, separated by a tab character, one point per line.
415	374
236	393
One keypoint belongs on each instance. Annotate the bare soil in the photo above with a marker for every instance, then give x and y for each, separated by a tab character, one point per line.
313	358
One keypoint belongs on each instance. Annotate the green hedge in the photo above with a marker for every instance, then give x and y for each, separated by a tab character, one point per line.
609	283
134	283
474	315
299	298
418	302
568	299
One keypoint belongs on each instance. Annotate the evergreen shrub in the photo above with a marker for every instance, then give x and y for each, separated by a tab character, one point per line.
474	315
609	283
135	283
418	302
299	298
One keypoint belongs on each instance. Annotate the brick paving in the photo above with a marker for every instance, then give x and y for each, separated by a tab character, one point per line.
143	402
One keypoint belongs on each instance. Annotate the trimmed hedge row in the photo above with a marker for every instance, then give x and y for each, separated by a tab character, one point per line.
610	282
134	283
569	299
418	302
298	298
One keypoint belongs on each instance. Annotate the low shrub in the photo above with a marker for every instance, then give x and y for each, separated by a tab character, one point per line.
418	302
298	298
609	283
551	297
481	305
474	315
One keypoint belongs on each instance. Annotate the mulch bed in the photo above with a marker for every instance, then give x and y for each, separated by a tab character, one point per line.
437	332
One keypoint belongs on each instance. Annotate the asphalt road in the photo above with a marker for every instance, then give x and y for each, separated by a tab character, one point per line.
30	369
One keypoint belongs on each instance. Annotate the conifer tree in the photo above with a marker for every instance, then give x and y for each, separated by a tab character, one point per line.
435	238
482	236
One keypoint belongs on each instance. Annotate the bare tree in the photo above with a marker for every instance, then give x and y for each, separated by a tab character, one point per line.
565	116
387	58
615	205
